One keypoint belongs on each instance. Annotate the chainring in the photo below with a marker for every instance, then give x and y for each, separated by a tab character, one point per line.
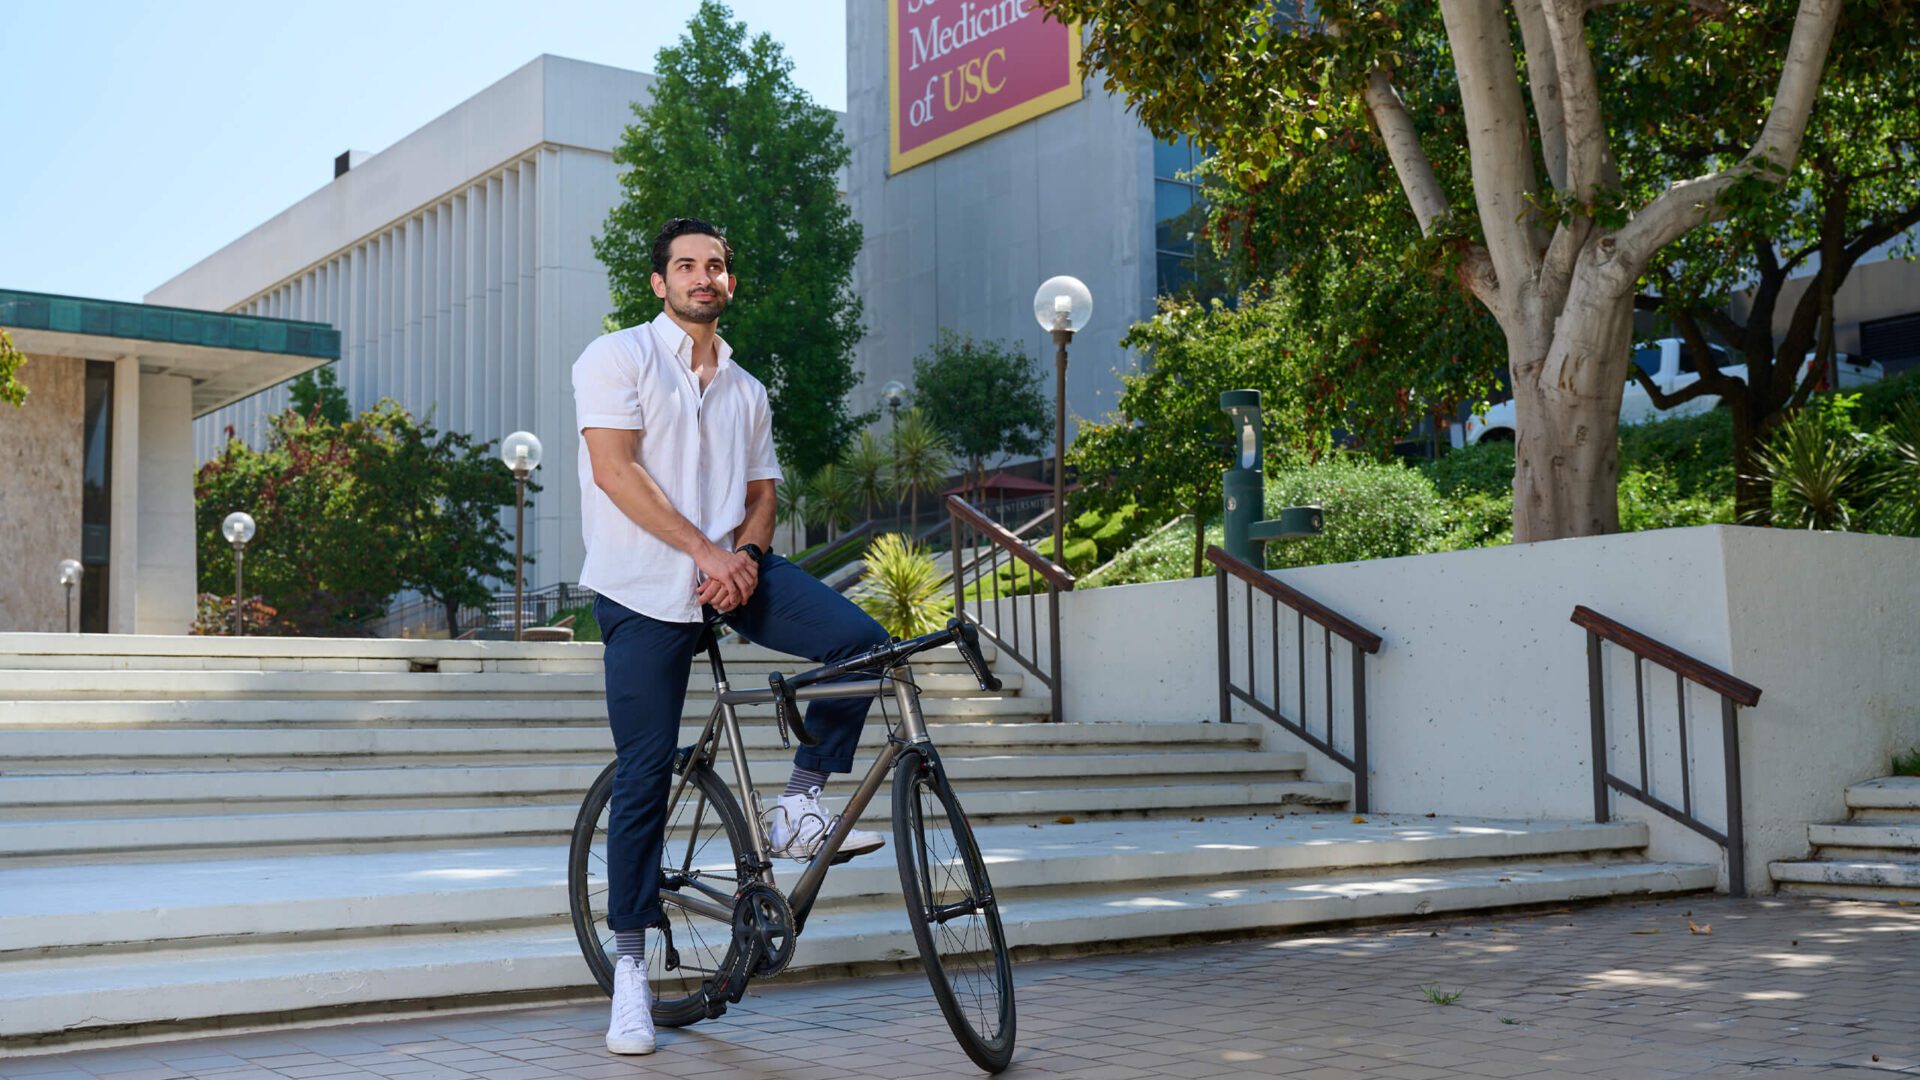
763	930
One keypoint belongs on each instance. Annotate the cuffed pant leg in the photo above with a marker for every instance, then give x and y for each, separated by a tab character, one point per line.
794	612
647	664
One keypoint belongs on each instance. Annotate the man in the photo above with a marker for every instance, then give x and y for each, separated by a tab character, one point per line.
677	476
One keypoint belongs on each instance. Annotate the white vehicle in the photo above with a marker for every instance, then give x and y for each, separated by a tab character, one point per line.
1671	363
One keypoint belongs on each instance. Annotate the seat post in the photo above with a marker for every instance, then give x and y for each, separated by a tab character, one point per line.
711	643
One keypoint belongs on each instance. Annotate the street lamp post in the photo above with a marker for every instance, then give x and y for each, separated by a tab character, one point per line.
521	452
894	394
1062	306
70	572
239	530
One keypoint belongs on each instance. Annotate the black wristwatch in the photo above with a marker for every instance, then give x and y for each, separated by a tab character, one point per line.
754	551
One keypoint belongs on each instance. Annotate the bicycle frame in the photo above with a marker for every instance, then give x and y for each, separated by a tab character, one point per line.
724	723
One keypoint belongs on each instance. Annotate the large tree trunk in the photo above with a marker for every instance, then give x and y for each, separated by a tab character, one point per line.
1752	497
453	619
1568	368
1199	543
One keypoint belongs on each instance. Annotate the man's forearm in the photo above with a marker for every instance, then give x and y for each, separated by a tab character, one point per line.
758	526
634	491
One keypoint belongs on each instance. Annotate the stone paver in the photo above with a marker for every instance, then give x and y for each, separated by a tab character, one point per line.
1775	988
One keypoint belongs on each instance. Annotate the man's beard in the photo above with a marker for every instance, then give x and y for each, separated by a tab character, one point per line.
700	311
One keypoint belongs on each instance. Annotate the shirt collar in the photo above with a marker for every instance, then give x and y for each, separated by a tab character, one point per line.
680	343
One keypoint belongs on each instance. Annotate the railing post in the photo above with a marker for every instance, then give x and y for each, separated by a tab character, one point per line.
1053	645
959	587
1361	789
1597	709
1226	662
1736	823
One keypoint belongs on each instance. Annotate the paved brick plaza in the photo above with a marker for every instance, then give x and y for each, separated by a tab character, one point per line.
1778	988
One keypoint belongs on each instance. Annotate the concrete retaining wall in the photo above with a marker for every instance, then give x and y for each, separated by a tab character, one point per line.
1478	701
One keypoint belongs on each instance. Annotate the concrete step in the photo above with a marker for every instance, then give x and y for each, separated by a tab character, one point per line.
51	794
26	686
1851	879
1853	839
1890	797
440	709
208	903
65	1000
71	838
303	743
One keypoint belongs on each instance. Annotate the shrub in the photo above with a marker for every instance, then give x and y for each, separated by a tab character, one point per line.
1817	469
1373	510
1652	499
585	626
906	598
1486	469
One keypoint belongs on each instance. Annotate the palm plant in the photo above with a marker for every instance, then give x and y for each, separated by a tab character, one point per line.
1815	472
790	502
921	458
830	499
868	467
905	595
1897	489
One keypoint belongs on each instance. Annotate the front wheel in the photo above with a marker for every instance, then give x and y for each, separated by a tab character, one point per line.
951	906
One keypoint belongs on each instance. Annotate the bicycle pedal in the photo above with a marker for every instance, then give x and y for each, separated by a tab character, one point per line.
843	856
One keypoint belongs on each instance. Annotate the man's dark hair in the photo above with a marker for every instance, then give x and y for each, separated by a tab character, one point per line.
686	226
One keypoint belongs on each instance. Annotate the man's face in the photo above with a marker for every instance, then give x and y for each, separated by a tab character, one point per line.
697	286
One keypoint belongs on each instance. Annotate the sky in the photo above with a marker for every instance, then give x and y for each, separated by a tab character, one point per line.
148	135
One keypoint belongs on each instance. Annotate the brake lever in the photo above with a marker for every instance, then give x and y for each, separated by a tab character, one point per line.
966	637
786	711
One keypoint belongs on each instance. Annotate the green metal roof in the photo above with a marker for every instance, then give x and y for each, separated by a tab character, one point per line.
179	326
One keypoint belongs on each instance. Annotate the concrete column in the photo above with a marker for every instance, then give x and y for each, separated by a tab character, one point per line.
166	572
123	573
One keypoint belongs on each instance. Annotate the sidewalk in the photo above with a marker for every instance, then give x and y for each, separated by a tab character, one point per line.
1777	988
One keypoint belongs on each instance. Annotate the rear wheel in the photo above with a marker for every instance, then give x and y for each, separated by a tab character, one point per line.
950	903
706	838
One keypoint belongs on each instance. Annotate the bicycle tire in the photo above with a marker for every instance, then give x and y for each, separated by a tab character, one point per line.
706	816
942	874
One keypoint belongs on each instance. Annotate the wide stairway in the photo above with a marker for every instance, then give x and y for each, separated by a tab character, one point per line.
204	832
1873	855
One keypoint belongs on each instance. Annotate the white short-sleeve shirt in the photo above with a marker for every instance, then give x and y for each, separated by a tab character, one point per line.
701	448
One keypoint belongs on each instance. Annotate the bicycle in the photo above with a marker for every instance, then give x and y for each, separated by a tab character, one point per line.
727	921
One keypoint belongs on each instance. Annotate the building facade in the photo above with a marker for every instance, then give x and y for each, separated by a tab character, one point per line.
458	267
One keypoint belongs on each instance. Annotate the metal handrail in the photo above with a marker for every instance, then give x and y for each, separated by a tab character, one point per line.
1734	692
820	554
1363	643
999	617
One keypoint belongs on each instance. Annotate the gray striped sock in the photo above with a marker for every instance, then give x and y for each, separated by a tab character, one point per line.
631	943
803	781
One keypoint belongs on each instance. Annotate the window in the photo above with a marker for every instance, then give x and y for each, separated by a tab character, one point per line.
96	496
1178	214
1894	342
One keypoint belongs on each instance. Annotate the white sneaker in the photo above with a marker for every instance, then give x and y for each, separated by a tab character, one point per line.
631	1031
797	824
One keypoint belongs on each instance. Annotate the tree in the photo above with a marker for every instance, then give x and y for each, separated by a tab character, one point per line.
866	467
322	558
729	138
442	496
831	497
1556	263
1165	444
985	397
921	460
12	390
317	393
1855	188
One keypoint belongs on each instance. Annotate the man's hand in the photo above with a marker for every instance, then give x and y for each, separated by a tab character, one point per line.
731	578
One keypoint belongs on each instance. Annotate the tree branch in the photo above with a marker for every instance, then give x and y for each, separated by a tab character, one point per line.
1543	80
1504	181
1590	161
1694	202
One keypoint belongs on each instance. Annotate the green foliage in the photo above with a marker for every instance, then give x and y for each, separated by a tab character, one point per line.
213	616
1372	510
1485	469
1880	402
728	137
868	469
831	499
316	394
12	390
1907	764
1817	471
984	396
907	595
921	459
1696	452
585	626
350	514
1654	499
1896	485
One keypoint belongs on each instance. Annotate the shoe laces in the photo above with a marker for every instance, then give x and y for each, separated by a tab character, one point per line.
633	1011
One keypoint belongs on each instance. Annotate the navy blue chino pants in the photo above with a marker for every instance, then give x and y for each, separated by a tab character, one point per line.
647	665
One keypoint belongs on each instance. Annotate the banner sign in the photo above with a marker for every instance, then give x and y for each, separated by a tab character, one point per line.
960	70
